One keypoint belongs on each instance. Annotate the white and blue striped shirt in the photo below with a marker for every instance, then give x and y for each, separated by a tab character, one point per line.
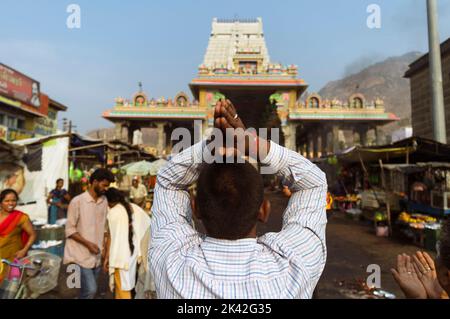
280	265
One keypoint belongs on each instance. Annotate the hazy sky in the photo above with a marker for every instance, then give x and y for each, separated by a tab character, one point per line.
161	43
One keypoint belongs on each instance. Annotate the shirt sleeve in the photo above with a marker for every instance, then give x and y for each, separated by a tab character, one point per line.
302	238
171	210
73	214
143	190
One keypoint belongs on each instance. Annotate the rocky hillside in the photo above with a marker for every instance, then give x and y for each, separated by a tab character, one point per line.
383	79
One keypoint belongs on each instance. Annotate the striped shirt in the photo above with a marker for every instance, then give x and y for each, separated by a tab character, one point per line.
282	265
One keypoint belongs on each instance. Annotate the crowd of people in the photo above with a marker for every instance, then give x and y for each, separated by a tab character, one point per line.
161	254
103	230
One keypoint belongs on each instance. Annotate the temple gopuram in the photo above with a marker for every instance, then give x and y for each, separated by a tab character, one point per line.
237	67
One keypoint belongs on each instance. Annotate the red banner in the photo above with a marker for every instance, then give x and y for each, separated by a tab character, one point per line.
17	86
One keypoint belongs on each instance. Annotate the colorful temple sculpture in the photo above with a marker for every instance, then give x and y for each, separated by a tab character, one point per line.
237	67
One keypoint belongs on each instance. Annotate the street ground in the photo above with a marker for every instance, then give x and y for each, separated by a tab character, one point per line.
352	246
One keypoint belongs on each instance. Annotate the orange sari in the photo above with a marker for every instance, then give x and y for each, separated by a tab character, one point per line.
12	237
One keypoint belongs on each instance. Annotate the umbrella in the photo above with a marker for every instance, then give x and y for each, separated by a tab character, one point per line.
141	168
156	166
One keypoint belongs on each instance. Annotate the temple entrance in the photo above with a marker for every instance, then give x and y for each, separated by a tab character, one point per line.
254	107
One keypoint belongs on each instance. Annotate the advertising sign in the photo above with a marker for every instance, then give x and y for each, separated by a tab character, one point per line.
17	86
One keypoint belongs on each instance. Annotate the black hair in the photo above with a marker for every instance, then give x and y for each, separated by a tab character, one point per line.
229	196
113	195
102	174
6	192
444	244
59	180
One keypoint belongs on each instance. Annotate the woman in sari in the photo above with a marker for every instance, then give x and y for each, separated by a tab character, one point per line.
16	231
58	201
127	225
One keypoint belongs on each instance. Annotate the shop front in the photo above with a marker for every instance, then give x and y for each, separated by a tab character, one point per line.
25	112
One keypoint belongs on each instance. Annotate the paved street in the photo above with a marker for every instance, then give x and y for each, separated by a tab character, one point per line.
352	246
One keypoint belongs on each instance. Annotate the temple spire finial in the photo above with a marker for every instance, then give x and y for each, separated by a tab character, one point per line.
140	86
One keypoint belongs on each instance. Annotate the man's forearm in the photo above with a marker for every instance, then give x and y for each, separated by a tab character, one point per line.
182	170
171	199
80	239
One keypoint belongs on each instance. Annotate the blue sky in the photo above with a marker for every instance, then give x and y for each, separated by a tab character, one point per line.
161	43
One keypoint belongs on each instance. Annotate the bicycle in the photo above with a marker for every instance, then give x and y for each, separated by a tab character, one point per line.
38	274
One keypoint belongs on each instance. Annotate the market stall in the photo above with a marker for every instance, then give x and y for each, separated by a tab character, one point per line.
404	186
87	154
425	202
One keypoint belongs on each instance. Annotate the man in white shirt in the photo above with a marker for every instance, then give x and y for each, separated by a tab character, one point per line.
231	262
138	192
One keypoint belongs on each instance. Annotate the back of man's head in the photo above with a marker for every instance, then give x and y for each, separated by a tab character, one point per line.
102	174
229	196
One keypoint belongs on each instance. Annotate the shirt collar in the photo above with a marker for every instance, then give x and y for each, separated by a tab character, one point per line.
88	198
225	242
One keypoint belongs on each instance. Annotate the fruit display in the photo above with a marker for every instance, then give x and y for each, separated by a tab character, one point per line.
348	198
416	220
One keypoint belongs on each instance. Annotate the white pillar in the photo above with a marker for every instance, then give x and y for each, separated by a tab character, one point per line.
290	132
161	146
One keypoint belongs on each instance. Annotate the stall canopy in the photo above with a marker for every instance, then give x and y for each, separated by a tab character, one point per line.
10	152
143	168
416	168
157	166
115	152
411	150
31	167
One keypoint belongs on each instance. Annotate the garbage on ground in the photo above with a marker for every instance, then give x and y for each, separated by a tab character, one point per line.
354	211
358	289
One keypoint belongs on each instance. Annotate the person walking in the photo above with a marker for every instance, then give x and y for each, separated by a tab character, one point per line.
85	229
127	225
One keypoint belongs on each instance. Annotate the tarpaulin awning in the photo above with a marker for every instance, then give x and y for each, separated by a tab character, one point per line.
412	150
415	168
10	152
143	168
